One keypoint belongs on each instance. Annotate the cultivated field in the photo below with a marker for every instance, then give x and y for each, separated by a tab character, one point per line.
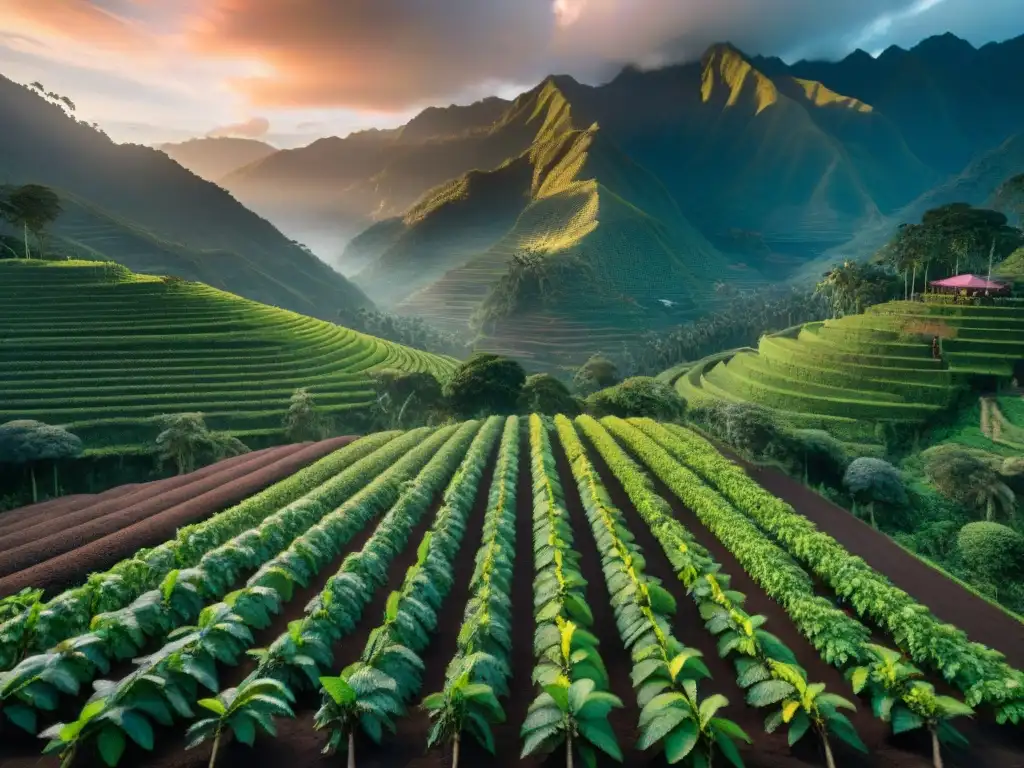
188	347
472	549
844	375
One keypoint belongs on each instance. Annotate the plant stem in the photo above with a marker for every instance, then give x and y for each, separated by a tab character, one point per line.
455	752
35	491
216	745
352	749
829	760
871	514
936	749
568	751
989	509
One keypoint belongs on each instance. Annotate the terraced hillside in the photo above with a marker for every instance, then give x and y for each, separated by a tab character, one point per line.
846	375
104	351
623	568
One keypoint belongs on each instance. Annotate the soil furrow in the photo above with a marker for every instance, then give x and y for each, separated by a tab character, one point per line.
71	567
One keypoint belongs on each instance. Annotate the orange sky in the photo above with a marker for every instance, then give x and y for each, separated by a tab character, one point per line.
292	70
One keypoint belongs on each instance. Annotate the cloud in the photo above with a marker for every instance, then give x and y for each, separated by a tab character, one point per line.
253	128
358	62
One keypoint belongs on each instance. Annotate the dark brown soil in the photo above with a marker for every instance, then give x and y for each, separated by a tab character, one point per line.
145	497
68	568
298	745
29	515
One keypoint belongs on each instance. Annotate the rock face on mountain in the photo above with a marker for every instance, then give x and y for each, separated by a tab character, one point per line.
135	205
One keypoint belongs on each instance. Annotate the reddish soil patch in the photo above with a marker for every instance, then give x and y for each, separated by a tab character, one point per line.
38	527
70	567
32	513
983	622
37	543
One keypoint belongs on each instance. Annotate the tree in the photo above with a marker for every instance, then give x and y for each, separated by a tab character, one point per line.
819	454
405	398
304	421
851	287
574	714
485	384
872	480
463	707
899	696
597	373
25	441
543	393
358	698
638	396
186	441
750	428
969	479
33	208
992	550
253	703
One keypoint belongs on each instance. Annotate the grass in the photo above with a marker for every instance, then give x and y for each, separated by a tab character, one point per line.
105	352
869	368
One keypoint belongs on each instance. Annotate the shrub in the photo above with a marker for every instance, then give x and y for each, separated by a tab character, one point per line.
485	384
597	373
640	396
992	550
874	480
543	393
405	398
750	428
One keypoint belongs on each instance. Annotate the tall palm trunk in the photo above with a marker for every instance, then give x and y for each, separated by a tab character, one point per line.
56	486
24	227
568	751
925	288
913	282
35	490
990	508
905	286
871	514
352	748
936	749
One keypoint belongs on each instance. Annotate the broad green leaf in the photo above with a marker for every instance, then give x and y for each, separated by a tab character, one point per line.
111	744
214	705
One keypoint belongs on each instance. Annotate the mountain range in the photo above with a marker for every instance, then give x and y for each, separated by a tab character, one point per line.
135	205
574	217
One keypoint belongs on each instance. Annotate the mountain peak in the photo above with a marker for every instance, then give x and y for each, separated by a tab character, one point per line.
723	51
730	78
946	44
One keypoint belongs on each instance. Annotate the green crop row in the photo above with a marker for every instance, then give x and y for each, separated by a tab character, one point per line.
979	672
391	661
484	644
759	656
311	548
72	612
665	672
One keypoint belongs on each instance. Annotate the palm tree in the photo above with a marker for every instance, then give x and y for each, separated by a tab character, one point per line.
463	707
360	697
899	696
254	703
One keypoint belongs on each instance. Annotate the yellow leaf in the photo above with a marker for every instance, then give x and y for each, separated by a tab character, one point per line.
789	709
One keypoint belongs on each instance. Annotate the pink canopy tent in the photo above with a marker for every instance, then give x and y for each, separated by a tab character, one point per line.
969	283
